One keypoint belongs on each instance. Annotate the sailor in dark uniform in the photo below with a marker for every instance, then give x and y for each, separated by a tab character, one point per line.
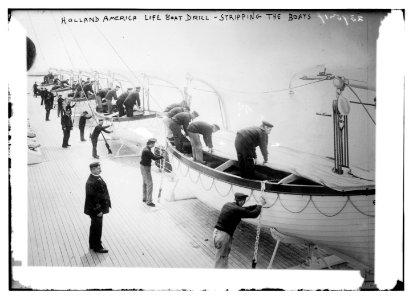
82	124
181	121
48	104
111	95
121	100
60	110
170	112
197	128
145	165
67	126
95	135
35	89
100	95
97	203
246	141
131	100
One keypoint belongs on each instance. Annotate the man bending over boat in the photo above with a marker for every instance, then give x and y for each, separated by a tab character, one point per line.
197	128
228	220
131	100
246	141
171	112
181	121
111	95
121	100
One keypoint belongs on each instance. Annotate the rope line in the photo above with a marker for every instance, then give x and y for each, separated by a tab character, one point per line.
351	89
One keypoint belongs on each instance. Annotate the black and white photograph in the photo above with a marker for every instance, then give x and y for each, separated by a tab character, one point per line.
206	149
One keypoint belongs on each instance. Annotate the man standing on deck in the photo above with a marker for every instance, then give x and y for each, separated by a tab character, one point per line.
69	107
97	203
111	95
95	135
228	220
121	101
42	93
131	100
48	104
67	126
180	121
60	106
35	89
194	130
246	141
146	161
82	124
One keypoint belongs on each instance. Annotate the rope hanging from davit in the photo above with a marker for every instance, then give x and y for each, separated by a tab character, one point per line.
257	236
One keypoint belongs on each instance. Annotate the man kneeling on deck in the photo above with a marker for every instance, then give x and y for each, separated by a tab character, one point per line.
194	130
228	220
97	203
146	161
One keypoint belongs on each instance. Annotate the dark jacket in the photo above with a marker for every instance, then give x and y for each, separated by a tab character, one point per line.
231	214
122	98
175	110
87	87
66	122
147	156
97	196
82	121
132	99
69	107
251	137
183	119
111	95
48	104
97	130
102	93
60	102
202	128
169	107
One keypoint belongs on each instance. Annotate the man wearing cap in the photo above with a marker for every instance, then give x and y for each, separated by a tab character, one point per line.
145	165
48	104
197	128
170	111
100	95
82	124
228	220
131	100
95	135
121	100
60	106
246	141
97	203
67	126
69	107
180	121
112	94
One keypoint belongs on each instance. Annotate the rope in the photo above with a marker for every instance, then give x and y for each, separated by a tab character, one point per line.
351	89
257	236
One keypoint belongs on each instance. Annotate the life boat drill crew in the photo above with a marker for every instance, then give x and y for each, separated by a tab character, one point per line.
246	141
95	135
195	129
121	100
181	121
111	95
131	100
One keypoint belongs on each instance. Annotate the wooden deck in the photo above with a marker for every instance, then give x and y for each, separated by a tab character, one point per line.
173	235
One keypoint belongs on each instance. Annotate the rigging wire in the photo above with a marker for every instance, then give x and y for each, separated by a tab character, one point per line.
37	38
121	59
351	89
61	38
77	43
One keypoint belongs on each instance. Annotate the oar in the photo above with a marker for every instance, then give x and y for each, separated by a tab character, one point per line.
106	143
163	161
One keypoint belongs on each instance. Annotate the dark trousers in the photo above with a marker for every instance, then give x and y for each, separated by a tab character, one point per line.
41	103
129	110
82	133
95	232
66	136
178	136
59	111
121	110
94	145
47	114
245	158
